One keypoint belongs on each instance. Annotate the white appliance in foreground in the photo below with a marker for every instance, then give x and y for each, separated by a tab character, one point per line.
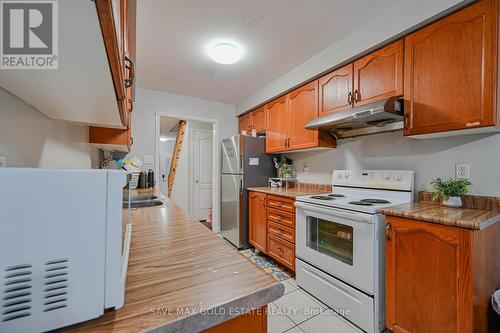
61	257
341	245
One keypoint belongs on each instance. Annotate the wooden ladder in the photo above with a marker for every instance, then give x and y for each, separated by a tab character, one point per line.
179	139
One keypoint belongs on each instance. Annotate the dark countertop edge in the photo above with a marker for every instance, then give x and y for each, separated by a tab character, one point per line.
393	211
200	321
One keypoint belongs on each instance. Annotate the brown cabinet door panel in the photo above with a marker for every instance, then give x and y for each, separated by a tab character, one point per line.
303	104
281	203
259	119
334	90
450	71
282	251
428	275
379	74
277	122
281	231
245	123
257	222
281	217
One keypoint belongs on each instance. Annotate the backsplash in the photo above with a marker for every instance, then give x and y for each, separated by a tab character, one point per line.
429	159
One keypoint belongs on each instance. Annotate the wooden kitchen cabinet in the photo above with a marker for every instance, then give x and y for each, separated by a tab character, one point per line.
379	75
450	72
286	117
271	224
439	278
303	107
255	120
245	123
375	76
118	24
277	125
259	119
257	222
335	90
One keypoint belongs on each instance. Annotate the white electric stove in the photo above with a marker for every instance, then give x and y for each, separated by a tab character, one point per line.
341	245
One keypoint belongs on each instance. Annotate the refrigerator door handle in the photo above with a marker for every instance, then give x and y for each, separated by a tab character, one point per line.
241	161
241	185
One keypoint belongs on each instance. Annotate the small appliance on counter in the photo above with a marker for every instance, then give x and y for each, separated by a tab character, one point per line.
62	256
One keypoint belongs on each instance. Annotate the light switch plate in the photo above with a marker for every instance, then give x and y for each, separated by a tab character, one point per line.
462	171
3	161
148	159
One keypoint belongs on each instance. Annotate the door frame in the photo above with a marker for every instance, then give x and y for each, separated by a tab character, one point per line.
192	133
215	159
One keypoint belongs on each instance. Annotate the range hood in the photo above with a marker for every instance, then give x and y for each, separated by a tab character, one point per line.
382	116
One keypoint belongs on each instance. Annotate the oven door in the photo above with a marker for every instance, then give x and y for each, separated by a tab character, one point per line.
339	242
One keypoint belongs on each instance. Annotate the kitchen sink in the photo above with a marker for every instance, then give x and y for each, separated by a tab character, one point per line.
144	204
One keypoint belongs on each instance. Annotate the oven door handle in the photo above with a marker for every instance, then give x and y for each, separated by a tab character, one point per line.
335	212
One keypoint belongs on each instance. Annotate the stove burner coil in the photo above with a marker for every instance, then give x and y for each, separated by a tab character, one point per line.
333	195
376	201
360	203
322	197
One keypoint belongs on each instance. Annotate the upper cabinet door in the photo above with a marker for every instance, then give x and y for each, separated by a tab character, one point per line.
450	72
245	123
303	104
335	90
277	119
379	74
259	119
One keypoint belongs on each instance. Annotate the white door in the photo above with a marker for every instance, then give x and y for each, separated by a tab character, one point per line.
164	159
202	173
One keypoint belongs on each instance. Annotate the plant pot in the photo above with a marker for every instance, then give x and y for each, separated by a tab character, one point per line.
453	202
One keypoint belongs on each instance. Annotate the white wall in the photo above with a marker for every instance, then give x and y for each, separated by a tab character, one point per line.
401	16
148	102
429	159
29	139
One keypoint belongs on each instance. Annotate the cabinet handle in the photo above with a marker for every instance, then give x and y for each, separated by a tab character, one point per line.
281	231
285	142
349	98
131	67
356	96
288	142
388	229
280	250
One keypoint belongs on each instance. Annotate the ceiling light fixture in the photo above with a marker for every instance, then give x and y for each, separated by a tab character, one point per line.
226	53
165	139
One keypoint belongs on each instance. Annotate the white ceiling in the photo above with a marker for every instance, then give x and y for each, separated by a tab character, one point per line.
277	36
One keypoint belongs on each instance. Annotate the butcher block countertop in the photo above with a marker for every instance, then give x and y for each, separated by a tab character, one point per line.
468	218
300	189
182	278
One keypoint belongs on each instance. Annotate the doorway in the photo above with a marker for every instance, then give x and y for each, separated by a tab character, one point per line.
195	187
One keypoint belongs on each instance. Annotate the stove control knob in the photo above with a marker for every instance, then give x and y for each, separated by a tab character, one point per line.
398	176
346	175
387	175
339	175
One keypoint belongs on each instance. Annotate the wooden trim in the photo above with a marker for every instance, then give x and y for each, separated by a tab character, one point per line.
108	28
181	132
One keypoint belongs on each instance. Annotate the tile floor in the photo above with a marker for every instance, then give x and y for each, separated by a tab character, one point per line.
298	312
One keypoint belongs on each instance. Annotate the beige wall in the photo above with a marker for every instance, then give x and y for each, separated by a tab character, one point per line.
29	139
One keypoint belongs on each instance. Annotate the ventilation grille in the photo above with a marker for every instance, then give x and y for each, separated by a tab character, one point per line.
55	285
17	287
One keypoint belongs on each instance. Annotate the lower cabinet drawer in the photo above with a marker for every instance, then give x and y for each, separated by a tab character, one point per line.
280	217
281	250
281	203
281	231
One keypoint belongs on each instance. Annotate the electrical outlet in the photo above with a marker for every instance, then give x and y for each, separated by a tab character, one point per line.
462	171
3	161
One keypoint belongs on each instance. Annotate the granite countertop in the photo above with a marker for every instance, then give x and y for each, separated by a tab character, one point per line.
293	192
178	273
468	218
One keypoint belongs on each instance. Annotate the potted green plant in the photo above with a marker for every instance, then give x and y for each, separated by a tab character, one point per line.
286	171
451	190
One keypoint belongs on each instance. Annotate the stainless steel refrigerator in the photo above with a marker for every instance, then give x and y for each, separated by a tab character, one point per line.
244	164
